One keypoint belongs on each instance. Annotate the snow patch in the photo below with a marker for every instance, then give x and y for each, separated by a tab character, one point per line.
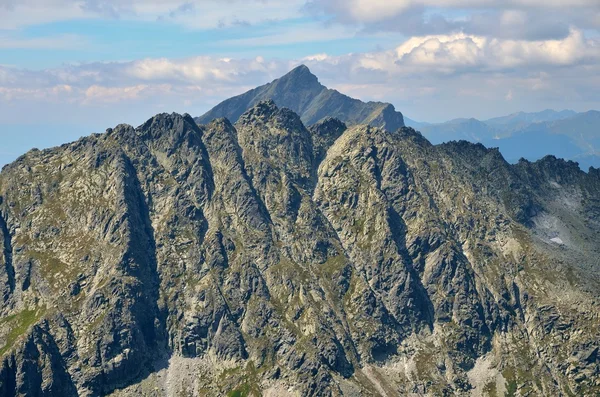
552	230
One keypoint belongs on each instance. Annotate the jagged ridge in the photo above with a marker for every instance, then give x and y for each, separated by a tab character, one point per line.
265	257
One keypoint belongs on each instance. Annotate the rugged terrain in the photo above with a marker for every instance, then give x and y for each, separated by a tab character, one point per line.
266	257
300	91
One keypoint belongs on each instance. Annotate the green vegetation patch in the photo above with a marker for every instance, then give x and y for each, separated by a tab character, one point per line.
490	389
249	378
511	382
333	265
19	324
242	391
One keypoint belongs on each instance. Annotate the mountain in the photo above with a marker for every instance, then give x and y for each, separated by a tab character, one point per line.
417	125
583	128
522	119
300	91
471	130
565	134
267	258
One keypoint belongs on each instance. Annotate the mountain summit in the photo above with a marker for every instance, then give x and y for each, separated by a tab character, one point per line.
300	91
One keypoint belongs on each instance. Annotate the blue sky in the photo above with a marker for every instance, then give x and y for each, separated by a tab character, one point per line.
72	67
119	40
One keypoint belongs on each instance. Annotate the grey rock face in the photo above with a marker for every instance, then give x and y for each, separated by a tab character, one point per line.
300	91
267	258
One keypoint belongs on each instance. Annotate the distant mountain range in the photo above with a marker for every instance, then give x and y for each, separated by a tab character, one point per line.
300	91
567	134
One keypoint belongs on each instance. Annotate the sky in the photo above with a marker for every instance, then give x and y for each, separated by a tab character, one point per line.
72	67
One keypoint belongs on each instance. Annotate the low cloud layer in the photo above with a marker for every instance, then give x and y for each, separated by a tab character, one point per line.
479	70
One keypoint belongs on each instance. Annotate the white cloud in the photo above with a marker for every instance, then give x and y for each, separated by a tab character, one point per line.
196	14
61	92
449	53
316	57
204	14
51	42
368	11
309	32
198	69
33	12
513	17
425	72
509	19
560	52
458	53
442	51
96	93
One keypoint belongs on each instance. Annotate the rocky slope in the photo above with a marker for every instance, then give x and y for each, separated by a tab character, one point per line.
301	91
267	258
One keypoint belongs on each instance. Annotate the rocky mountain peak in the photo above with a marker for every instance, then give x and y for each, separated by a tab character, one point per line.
324	134
165	123
300	91
267	112
330	123
263	109
300	78
221	123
